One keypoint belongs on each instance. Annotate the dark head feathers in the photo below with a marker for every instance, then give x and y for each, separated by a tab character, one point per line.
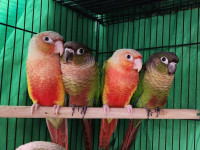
75	46
172	57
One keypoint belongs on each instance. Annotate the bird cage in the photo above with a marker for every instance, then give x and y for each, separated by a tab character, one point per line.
148	26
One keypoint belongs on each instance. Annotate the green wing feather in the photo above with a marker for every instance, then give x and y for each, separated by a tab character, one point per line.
140	87
97	93
103	71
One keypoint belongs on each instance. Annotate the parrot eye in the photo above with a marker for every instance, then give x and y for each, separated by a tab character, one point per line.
47	39
80	51
164	60
129	57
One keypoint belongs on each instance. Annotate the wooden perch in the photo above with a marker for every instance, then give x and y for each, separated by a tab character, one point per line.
95	113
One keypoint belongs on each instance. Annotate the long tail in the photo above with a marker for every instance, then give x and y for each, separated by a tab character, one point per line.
130	134
87	133
58	131
107	129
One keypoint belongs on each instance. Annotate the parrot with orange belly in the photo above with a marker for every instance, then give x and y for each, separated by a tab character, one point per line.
154	85
120	76
80	74
44	79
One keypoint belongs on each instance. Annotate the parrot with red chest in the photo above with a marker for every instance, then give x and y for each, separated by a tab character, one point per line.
120	76
154	85
80	74
44	79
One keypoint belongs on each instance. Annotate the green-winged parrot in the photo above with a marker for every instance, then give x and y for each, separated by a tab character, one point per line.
120	76
81	79
154	85
44	78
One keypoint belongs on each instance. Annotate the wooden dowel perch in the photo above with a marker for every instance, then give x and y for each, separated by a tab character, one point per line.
95	113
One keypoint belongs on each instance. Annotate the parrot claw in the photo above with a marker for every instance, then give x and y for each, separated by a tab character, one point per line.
73	108
157	110
83	111
130	109
149	112
56	107
34	107
106	109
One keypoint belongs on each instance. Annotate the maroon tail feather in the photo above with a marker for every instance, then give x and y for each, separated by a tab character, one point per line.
87	133
107	130
130	134
59	136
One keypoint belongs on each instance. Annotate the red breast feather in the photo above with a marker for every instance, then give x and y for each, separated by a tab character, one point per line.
45	81
119	86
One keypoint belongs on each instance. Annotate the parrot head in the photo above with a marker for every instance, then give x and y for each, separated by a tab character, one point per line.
76	53
48	42
164	62
127	59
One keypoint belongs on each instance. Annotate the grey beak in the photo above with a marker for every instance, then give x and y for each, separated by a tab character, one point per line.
172	67
69	53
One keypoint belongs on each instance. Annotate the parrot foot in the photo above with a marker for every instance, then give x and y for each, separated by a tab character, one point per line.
130	109
83	111
149	112
34	107
106	109
157	110
73	108
56	108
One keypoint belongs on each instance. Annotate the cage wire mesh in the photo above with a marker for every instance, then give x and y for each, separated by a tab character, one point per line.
104	26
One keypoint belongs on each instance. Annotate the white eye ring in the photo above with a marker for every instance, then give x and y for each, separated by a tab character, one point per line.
47	39
164	60
129	57
80	51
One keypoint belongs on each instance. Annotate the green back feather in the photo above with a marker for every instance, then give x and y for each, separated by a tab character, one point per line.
140	87
97	88
94	92
103	72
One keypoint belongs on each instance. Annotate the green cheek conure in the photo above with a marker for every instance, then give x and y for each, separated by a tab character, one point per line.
44	78
120	76
80	75
154	85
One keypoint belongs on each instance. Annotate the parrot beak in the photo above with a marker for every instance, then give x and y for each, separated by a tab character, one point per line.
137	64
172	67
59	48
69	53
